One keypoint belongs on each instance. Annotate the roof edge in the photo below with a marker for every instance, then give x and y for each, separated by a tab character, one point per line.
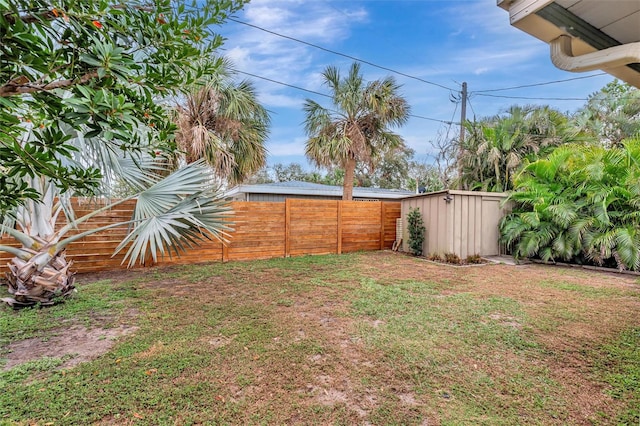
334	192
460	192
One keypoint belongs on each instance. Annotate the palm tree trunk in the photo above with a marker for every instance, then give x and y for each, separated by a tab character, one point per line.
349	172
30	285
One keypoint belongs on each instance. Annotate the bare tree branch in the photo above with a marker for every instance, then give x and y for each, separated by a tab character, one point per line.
30	18
18	86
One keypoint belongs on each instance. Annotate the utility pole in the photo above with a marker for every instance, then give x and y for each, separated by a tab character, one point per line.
463	117
463	110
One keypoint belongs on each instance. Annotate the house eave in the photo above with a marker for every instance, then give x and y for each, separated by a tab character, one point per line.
547	20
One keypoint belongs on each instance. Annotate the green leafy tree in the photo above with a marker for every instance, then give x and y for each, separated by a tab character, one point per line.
260	177
290	172
390	168
423	177
223	122
334	176
612	114
81	86
356	128
100	69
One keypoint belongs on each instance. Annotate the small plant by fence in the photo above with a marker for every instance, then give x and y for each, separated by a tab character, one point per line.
261	230
416	231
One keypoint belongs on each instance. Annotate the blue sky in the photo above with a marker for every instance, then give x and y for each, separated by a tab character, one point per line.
443	42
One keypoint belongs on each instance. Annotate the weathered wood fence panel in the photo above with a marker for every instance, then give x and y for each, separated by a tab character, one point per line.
261	230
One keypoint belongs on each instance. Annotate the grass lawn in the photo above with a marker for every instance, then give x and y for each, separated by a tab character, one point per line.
367	338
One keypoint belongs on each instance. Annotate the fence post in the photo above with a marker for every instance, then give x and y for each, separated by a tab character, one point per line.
225	252
383	212
339	230
287	227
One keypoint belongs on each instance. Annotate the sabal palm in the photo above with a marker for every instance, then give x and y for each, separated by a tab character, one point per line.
357	127
223	123
497	148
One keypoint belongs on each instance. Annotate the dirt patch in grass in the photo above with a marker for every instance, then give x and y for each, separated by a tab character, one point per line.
374	338
76	344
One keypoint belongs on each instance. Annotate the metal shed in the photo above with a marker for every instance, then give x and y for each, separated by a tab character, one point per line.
460	222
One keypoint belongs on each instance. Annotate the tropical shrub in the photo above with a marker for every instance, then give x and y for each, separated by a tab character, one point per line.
416	231
580	204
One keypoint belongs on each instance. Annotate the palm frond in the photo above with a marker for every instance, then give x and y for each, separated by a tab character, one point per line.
628	247
174	214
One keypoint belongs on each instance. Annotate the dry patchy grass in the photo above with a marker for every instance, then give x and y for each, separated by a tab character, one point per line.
376	338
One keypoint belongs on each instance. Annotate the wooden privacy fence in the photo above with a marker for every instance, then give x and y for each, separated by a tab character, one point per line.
261	230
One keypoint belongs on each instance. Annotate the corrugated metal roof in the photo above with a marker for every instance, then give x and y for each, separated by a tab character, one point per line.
309	188
459	192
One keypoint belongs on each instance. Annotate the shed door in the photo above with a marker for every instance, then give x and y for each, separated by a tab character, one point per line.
491	215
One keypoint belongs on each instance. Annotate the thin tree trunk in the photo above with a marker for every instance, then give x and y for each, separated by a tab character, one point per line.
349	172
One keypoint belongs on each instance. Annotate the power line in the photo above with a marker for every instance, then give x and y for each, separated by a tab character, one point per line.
540	84
446	138
433	119
471	106
328	96
282	84
341	54
531	98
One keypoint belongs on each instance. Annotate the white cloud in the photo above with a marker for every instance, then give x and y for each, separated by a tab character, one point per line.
280	148
479	18
269	55
274	100
267	16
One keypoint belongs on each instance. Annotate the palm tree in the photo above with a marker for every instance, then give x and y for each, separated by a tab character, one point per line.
498	147
223	122
170	214
356	129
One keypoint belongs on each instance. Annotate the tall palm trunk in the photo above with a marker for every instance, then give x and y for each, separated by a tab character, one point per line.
349	173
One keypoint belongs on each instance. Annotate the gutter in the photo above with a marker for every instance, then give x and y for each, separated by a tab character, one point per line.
612	57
